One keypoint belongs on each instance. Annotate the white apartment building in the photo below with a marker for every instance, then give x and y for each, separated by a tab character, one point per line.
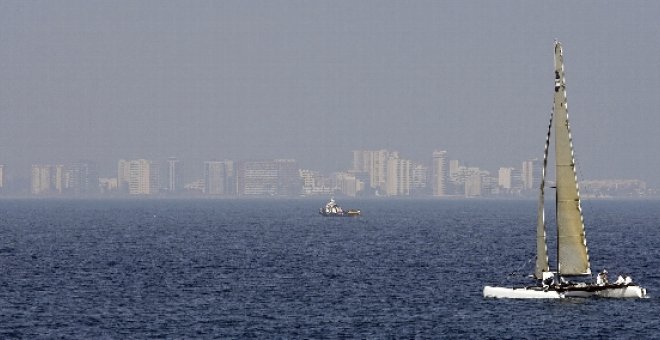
138	177
440	176
398	176
47	179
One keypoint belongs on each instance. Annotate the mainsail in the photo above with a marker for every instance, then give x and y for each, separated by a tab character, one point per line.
573	258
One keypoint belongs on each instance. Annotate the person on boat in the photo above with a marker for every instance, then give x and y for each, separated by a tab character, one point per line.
619	280
627	280
601	279
548	280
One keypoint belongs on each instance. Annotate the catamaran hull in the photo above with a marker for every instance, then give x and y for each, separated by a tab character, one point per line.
631	291
519	293
623	292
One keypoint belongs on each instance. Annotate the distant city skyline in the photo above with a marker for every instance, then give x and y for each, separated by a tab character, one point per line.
379	172
195	167
315	80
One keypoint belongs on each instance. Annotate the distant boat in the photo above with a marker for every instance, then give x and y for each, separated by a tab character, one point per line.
568	279
333	209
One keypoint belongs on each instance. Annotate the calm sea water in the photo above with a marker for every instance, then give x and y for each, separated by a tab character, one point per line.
277	269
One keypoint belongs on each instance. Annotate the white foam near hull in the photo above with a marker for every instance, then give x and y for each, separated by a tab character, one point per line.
632	291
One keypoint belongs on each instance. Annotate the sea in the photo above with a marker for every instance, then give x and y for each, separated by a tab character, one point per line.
276	269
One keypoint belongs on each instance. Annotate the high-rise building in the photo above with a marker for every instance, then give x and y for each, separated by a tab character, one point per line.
398	176
348	184
138	177
174	175
40	182
532	171
47	179
279	177
473	185
440	174
373	162
504	178
123	175
289	182
257	178
474	181
2	177
313	183
230	177
82	178
454	168
510	181
219	178
420	177
59	178
516	181
214	178
309	179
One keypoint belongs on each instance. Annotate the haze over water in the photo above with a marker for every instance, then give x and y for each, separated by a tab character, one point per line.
315	80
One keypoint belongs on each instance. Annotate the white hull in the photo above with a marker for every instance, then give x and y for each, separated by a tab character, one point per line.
519	293
632	291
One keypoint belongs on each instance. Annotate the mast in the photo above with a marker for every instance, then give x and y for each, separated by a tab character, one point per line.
572	253
559	82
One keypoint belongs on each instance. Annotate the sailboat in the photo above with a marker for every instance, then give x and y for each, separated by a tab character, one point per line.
572	275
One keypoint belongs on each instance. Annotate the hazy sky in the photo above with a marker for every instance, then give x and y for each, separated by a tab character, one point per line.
313	80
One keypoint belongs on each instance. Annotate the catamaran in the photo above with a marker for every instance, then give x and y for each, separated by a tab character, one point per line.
572	276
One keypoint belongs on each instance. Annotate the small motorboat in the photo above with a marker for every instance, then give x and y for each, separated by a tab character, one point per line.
333	209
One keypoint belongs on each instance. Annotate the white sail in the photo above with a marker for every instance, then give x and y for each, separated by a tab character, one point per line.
541	244
573	258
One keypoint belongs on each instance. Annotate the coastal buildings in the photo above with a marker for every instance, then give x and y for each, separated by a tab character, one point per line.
440	174
347	183
214	178
510	180
219	178
470	181
369	176
374	163
531	174
174	175
278	177
419	175
614	188
398	176
386	173
138	177
314	183
83	178
47	179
